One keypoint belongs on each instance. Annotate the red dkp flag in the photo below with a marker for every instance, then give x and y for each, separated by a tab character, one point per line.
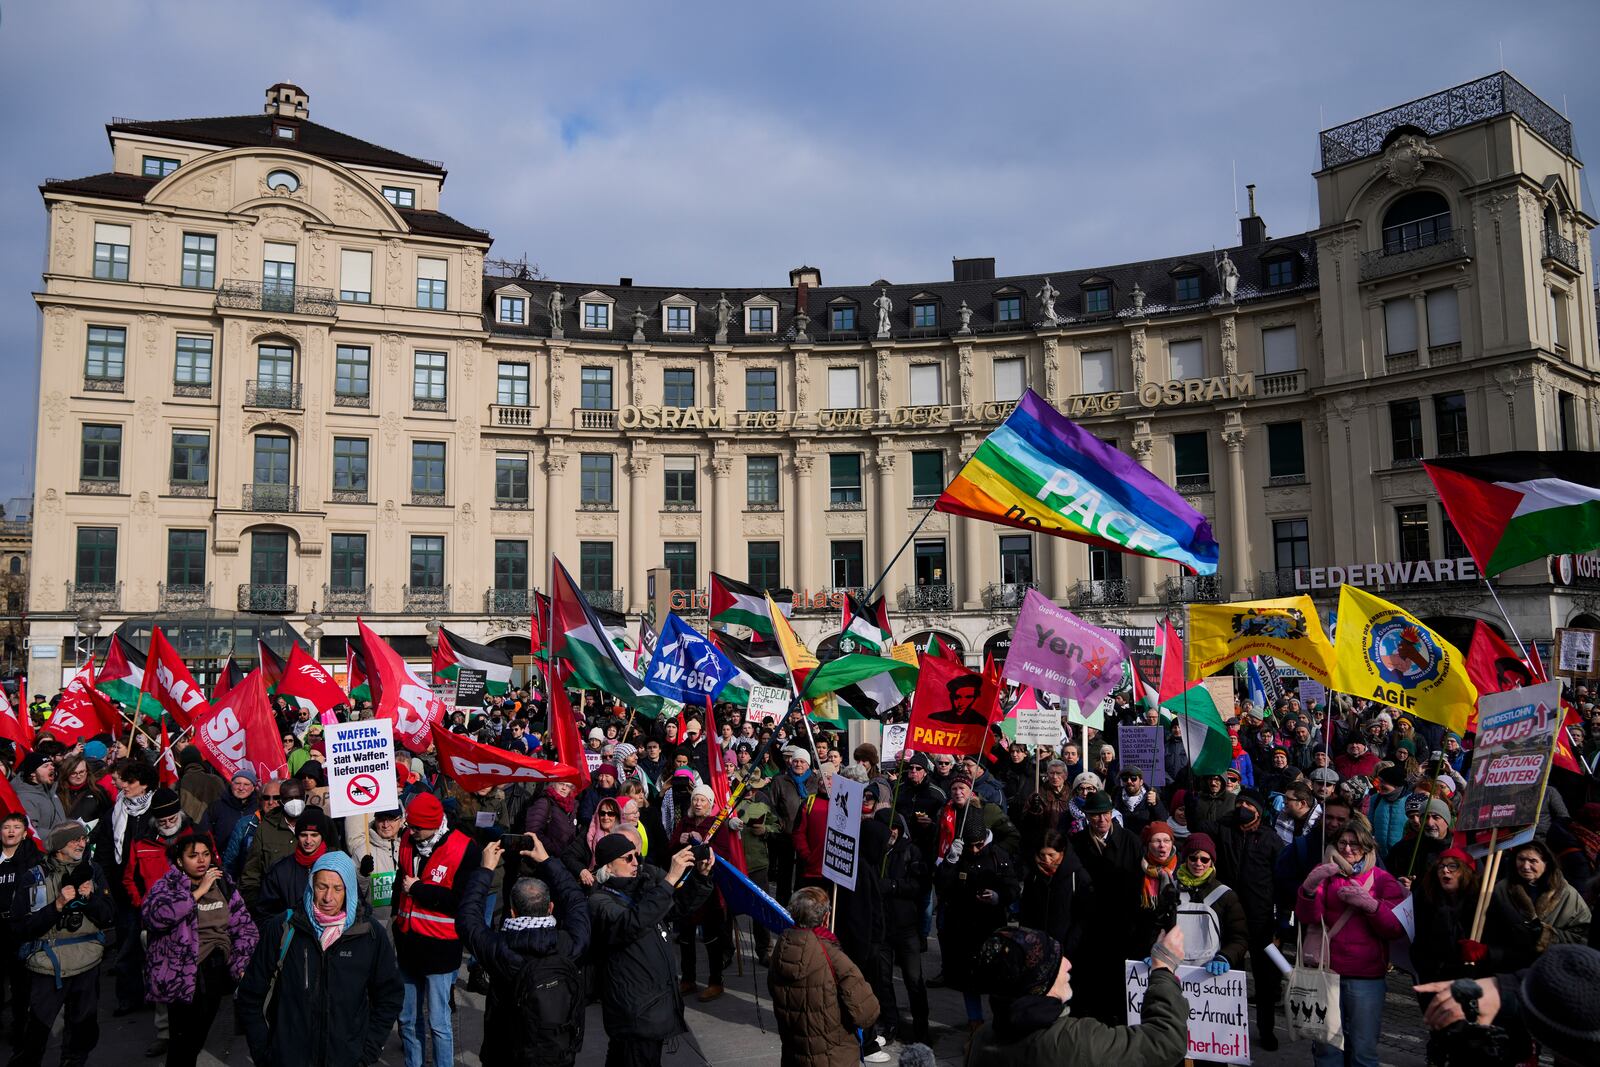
169	681
474	766
398	694
308	682
240	731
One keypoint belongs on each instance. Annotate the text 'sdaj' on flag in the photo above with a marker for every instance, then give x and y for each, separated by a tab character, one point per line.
1385	653
1286	628
1515	507
1054	651
1041	471
454	652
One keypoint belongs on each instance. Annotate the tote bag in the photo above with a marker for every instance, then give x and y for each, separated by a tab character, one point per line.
1311	995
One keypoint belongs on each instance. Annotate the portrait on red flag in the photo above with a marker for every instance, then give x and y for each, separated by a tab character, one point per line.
949	712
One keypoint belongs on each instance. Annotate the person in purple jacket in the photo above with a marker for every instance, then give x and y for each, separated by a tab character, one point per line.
201	938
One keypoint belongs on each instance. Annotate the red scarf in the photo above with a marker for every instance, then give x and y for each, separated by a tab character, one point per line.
306	860
566	803
825	934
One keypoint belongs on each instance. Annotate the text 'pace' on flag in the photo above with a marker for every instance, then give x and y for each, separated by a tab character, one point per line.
1041	471
1385	653
1286	628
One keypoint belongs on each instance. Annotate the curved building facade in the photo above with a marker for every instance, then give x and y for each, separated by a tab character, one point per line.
275	375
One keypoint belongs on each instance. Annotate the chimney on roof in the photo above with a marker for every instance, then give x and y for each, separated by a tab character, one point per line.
811	276
1252	228
978	269
626	283
287	101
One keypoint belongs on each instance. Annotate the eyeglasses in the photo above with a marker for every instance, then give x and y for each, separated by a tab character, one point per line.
1450	867
1200	859
632	857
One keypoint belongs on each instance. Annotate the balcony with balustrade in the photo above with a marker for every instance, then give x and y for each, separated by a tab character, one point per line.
1006	596
511	416
283	396
1283	383
277	298
102	596
1099	593
937	597
183	597
1560	252
1193	589
425	599
517	602
269	497
268	598
346	600
615	600
594	418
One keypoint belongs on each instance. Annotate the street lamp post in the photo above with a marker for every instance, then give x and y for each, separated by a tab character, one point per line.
314	623
88	624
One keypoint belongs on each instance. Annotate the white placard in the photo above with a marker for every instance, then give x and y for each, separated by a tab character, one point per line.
841	848
1141	747
361	767
894	743
768	703
1219	1015
1037	724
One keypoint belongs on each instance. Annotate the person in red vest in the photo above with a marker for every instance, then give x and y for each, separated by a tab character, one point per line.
430	877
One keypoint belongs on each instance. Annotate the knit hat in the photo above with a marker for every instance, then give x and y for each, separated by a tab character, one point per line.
190	757
1088	778
1199	843
959	778
425	812
95	750
1156	827
1561	1001
1394	774
1407	744
1017	962
165	804
597	734
248	773
314	818
1461	856
1440	808
63	834
795	752
606	768
1098	804
973	829
703	790
623	750
31	763
920	759
611	847
1180	799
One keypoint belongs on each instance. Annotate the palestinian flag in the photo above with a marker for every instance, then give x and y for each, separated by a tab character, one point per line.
355	671
863	685
1515	507
272	665
228	676
938	646
759	663
454	652
737	604
540	630
585	642
121	676
865	631
1205	738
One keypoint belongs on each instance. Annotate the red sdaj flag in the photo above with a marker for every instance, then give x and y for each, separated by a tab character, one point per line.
309	683
398	693
169	681
166	766
474	766
230	675
240	730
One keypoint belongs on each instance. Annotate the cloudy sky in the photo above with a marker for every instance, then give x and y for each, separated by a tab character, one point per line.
721	143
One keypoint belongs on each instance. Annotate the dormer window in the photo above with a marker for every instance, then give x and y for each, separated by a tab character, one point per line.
1096	299
284	132
842	318
1186	288
596	310
1008	309
400	196
924	316
159	166
677	315
1280	271
760	315
513	310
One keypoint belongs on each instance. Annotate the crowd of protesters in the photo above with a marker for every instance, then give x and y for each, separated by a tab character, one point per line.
1036	873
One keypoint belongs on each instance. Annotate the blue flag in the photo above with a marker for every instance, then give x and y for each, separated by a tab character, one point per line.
685	666
744	897
1257	688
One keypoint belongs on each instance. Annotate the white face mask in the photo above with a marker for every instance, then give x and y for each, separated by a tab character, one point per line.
293	808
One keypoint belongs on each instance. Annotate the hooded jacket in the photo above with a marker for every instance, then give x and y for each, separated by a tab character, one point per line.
819	998
224	813
1039	1031
171	916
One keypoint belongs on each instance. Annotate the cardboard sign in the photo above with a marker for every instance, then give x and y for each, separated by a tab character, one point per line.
841	849
768	703
470	687
1575	653
1219	1016
361	767
1312	692
1037	723
1141	747
1223	694
894	743
1516	736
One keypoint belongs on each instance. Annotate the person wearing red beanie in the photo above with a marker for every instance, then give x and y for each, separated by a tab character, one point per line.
430	877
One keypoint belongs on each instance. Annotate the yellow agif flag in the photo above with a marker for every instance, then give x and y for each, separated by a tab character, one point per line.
1385	653
1285	629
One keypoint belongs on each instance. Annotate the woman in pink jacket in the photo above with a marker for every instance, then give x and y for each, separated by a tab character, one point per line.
1354	900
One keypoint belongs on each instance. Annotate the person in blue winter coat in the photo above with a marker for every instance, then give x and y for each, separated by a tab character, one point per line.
1387	811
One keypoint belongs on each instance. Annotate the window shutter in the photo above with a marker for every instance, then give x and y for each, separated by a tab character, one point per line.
1400	325
1444	318
1187	360
925	385
106	233
1099	376
432	269
843	388
355	271
1008	380
1280	349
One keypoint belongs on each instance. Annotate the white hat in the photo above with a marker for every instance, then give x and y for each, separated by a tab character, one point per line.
1088	778
796	752
703	790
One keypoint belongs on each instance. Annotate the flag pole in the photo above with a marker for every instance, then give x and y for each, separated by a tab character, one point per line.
900	551
1509	625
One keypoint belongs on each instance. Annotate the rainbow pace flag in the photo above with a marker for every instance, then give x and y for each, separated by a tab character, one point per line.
1039	470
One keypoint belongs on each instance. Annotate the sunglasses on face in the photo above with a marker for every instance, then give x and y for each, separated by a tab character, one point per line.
1200	859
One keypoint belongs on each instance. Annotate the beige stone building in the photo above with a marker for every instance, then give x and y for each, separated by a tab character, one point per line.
275	375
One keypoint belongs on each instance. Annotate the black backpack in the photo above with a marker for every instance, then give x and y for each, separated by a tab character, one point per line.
549	1004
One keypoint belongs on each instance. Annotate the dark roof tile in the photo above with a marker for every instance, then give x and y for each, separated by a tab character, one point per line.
113	186
237	131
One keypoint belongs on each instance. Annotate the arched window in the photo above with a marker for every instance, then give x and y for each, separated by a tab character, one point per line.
1416	220
16	565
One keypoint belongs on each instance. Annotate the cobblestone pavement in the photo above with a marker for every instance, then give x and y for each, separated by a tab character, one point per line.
734	1031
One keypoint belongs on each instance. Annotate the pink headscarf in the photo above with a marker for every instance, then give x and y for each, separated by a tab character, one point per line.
596	833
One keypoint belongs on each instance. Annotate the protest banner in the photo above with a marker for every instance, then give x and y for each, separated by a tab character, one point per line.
1224	694
1141	747
361	767
1219	1020
1516	736
470	687
841	848
945	712
1054	651
1575	653
1036	723
768	703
